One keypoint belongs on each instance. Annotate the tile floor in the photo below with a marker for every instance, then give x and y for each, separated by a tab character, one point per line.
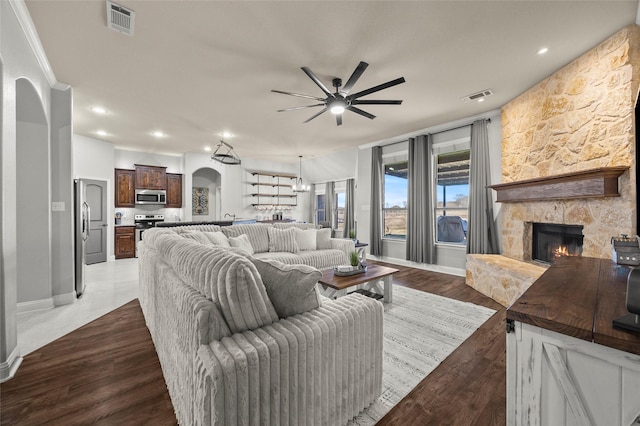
108	286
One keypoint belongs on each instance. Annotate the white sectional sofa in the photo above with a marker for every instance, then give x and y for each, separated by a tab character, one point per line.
313	246
248	341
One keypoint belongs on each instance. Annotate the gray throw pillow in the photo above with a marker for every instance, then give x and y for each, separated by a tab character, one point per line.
282	240
241	242
291	288
323	239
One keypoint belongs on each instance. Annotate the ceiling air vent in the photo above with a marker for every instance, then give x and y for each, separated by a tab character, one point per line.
476	96
120	18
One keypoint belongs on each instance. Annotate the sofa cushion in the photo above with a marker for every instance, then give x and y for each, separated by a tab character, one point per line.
217	239
242	242
284	257
323	259
291	288
282	240
298	225
256	232
323	239
230	280
306	239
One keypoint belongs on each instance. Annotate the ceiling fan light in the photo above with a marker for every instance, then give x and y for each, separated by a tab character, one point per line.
337	109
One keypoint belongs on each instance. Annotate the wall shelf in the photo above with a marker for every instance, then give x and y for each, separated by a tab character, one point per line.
281	195
601	182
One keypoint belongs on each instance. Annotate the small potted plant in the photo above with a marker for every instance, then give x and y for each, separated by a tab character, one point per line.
354	259
352	235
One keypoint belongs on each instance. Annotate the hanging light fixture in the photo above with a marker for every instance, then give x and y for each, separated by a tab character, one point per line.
299	186
223	153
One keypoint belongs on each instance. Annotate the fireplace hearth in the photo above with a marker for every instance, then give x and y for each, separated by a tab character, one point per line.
552	241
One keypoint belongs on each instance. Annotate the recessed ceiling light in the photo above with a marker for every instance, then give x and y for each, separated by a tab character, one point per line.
99	110
101	133
158	134
226	134
207	148
542	51
481	100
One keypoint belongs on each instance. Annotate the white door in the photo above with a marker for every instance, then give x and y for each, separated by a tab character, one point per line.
96	245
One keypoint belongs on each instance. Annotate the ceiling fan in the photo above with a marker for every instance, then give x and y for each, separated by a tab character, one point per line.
341	100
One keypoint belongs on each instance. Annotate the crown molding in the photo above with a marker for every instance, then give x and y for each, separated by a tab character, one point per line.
24	19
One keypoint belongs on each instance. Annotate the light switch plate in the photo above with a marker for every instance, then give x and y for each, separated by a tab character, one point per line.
57	206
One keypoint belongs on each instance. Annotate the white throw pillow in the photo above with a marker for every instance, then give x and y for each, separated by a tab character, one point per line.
241	242
306	239
282	240
323	239
197	236
218	239
291	288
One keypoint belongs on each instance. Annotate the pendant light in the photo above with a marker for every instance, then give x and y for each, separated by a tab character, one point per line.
299	186
223	153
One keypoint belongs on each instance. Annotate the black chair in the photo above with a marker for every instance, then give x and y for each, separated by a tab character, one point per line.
451	229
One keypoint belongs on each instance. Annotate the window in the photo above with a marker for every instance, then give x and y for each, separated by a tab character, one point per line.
395	200
319	208
452	199
341	198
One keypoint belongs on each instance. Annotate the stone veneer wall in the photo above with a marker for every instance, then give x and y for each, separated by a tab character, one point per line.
579	118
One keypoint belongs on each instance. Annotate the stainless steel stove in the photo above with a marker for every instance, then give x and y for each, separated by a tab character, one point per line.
144	222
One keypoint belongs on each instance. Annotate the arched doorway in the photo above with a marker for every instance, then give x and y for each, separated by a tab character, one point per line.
206	181
33	232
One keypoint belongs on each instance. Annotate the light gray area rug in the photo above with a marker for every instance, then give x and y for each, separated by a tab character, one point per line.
420	331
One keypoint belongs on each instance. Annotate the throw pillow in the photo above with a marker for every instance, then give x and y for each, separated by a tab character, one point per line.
218	239
241	242
282	240
196	235
323	239
306	239
291	288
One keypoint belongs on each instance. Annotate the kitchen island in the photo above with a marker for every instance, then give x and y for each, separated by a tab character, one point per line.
566	363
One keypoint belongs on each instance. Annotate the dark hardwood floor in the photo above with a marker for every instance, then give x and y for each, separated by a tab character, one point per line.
107	372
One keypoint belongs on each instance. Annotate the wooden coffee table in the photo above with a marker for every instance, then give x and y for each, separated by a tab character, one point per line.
335	286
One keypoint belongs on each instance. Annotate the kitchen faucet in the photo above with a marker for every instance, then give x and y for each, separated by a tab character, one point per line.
232	216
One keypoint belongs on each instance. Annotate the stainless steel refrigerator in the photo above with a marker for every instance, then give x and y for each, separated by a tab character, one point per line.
81	218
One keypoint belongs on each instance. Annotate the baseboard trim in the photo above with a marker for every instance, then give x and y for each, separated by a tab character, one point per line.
35	305
64	299
9	367
426	266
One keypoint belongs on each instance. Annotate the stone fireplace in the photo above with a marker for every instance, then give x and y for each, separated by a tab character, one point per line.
550	241
579	119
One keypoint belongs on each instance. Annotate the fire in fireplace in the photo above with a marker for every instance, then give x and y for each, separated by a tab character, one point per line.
552	241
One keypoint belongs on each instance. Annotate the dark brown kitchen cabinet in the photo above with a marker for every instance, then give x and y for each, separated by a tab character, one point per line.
125	242
174	191
151	177
125	188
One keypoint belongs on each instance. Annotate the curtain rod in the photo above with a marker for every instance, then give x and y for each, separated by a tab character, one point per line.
433	133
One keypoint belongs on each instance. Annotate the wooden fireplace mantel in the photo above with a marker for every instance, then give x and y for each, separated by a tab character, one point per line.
601	182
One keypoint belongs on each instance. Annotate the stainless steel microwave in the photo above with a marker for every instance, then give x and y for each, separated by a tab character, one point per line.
151	196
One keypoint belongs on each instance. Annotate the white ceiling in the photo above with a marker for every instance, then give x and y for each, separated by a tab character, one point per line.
196	68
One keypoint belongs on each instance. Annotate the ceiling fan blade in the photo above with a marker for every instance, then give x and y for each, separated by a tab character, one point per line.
300	107
339	119
298	95
316	80
374	102
315	115
354	77
377	88
361	112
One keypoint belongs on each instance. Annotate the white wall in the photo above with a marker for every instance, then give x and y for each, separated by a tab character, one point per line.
18	61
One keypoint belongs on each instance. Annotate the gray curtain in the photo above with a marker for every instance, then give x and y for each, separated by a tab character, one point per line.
377	179
312	204
482	236
420	242
349	208
330	203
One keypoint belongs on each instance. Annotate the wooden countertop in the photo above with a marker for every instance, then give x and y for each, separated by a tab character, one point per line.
579	297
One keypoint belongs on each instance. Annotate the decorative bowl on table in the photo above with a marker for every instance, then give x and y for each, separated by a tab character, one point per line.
346	270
